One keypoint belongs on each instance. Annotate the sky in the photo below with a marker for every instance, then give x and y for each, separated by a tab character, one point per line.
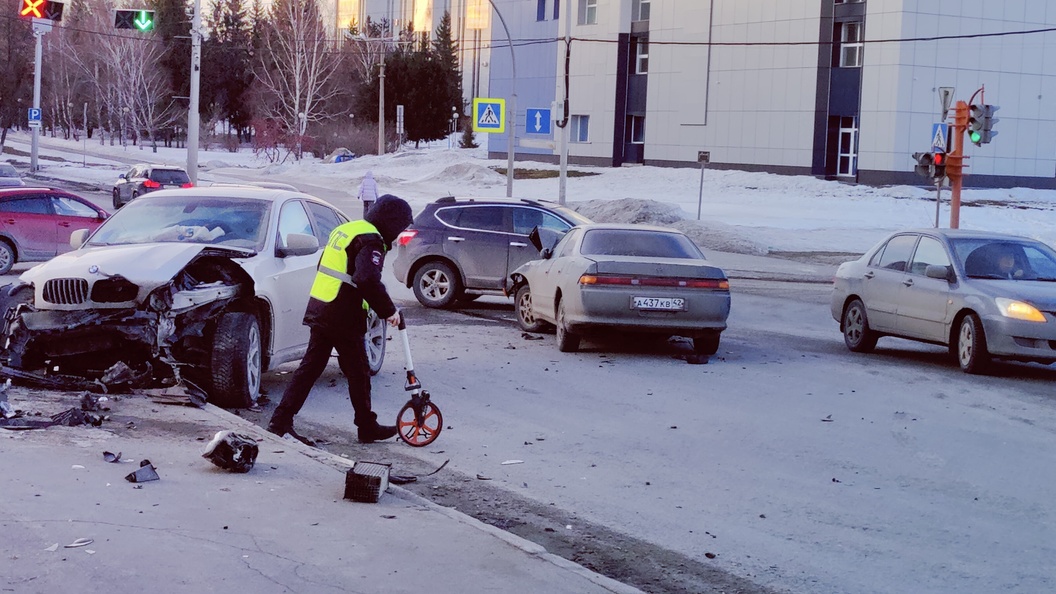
740	211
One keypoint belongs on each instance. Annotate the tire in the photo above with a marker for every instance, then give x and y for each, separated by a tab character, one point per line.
135	195
857	335
437	285
567	342
522	301
117	199
236	361
375	341
969	346
7	257
706	343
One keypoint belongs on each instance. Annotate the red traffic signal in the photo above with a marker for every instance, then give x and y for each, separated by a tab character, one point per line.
32	8
41	9
939	159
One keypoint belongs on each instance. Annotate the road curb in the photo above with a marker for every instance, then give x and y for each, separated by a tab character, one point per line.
233	421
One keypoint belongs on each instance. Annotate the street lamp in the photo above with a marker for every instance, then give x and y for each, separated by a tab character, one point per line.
512	112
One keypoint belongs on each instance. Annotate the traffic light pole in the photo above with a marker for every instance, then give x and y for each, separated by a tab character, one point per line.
40	27
192	111
955	162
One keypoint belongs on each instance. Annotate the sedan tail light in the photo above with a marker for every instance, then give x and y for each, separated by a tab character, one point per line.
406	237
187	185
151	184
689	283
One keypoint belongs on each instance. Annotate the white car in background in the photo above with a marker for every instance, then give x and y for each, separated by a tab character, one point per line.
204	284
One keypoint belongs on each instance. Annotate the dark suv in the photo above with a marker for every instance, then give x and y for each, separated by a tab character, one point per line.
460	248
144	178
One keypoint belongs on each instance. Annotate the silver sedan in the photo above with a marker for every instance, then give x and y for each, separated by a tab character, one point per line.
984	295
623	277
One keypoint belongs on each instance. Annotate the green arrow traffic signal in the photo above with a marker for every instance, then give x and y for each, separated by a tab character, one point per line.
140	20
144	20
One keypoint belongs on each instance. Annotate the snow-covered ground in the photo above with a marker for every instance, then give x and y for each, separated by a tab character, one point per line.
740	212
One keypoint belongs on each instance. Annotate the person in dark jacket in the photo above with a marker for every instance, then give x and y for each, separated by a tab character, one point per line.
348	279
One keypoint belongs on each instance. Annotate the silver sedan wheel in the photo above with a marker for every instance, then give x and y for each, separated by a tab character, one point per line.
254	365
972	354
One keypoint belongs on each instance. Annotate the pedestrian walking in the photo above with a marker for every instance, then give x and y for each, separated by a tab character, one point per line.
368	191
347	281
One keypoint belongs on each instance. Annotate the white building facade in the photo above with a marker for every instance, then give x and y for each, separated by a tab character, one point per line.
838	89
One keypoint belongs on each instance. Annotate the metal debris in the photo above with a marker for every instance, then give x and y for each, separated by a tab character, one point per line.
80	542
232	451
112	457
146	472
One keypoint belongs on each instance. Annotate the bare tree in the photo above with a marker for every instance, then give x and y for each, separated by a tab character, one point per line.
297	68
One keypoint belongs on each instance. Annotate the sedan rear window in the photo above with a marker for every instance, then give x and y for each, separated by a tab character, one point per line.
8	170
646	244
169	176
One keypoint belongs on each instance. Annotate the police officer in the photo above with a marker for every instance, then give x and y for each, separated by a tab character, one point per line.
348	279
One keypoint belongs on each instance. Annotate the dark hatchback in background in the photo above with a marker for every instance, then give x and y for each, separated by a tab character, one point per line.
36	223
145	178
459	248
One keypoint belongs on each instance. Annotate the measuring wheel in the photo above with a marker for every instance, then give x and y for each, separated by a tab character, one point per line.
420	421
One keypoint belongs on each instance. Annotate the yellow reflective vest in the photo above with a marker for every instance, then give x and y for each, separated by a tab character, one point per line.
333	264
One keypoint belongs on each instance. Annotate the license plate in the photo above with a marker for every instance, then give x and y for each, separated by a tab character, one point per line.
659	303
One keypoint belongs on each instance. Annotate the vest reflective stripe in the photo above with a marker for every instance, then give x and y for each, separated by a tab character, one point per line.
328	278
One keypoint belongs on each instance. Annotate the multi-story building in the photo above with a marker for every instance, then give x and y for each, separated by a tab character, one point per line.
839	89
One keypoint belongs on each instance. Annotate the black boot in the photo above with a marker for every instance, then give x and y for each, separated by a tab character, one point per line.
376	433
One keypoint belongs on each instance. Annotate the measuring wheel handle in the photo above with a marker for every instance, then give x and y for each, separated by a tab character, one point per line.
420	421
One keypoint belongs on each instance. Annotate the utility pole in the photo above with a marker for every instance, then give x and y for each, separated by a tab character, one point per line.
955	162
562	100
192	111
40	27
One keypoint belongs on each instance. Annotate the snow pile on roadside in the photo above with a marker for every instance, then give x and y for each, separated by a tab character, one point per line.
469	174
709	235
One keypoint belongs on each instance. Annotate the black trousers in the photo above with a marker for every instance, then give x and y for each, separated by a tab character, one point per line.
366	207
351	357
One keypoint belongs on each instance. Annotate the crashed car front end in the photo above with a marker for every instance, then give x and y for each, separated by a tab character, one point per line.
74	316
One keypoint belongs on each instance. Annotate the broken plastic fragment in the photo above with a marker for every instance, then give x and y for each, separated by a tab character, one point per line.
80	542
508	462
481	477
146	472
52	548
232	451
112	457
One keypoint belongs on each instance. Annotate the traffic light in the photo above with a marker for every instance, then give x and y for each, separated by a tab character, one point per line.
938	165
981	123
140	20
930	165
41	9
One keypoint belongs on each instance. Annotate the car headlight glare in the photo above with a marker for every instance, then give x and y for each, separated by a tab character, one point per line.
1018	310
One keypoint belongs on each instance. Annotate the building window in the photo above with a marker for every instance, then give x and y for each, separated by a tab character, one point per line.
588	12
635	131
850	47
848	1
847	156
580	131
557	9
640	10
540	10
641	58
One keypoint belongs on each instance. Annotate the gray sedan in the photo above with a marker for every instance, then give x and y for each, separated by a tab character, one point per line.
623	277
984	295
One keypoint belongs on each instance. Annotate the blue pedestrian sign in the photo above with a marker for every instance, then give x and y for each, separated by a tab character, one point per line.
34	117
489	115
538	121
940	132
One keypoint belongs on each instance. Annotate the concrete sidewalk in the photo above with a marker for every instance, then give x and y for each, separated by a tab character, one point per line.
282	527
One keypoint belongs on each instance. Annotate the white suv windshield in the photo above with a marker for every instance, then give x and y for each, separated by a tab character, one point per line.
234	222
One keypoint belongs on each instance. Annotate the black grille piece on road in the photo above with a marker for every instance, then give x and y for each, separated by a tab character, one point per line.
66	291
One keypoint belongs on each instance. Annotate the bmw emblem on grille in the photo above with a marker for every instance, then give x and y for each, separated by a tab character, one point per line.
93	269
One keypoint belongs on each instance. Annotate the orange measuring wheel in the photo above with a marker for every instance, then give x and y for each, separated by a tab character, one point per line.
420	421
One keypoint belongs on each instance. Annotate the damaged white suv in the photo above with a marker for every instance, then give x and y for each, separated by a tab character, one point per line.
207	285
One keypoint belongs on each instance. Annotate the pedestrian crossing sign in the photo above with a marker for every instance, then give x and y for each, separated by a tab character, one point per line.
489	115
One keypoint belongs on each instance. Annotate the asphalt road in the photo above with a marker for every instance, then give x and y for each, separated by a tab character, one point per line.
785	463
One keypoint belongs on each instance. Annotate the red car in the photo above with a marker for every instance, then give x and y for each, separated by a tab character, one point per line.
36	223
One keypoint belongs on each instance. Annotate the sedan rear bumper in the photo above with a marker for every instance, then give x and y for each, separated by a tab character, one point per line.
611	307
